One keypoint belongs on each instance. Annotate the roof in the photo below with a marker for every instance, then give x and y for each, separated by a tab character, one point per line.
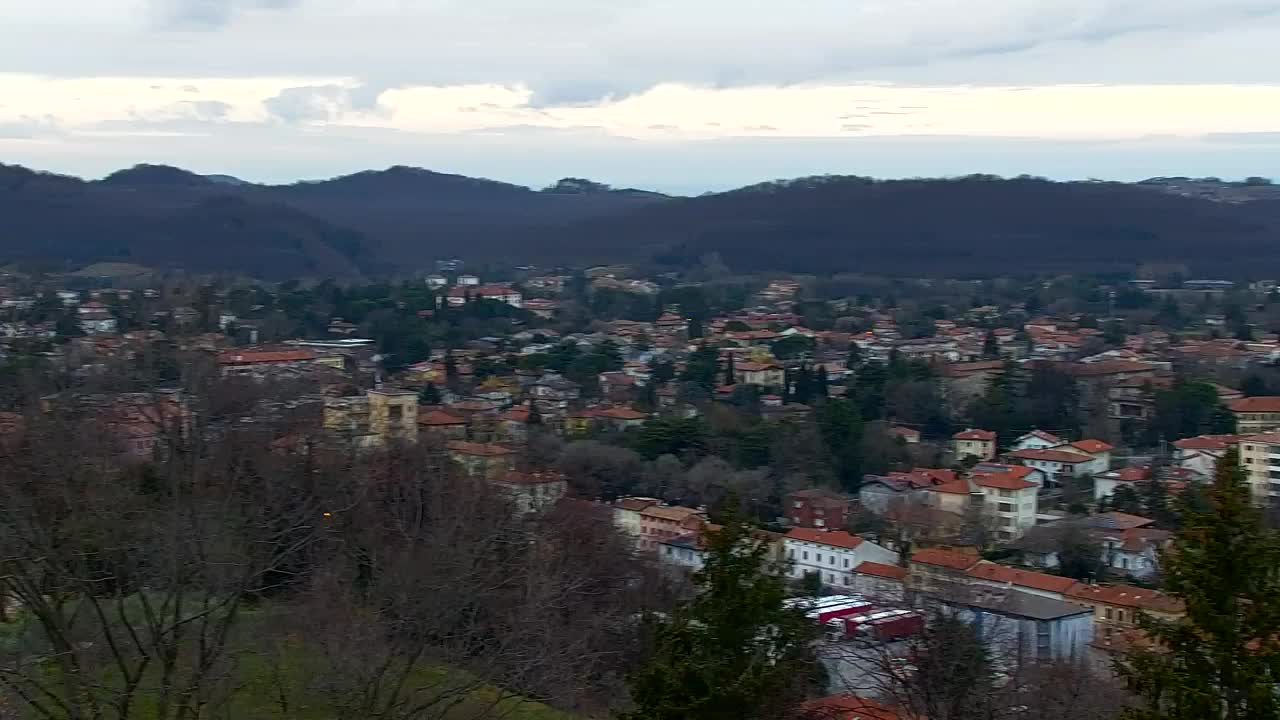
1108	367
1092	446
962	369
819	494
972	434
834	538
848	707
892	572
1206	442
464	447
1118	521
1047	437
1006	480
635	504
1058	456
623	413
756	367
1126	596
439	418
941	557
955	487
249	356
1024	604
995	572
670	512
1262	403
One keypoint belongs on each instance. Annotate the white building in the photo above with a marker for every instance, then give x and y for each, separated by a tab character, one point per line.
1009	499
1037	440
468	280
1061	461
833	554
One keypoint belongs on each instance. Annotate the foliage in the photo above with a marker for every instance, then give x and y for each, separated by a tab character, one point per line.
1222	659
733	651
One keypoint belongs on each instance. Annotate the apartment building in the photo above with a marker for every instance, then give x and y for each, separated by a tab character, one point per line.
1260	459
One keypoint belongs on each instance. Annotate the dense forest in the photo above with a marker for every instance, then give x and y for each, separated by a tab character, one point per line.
376	222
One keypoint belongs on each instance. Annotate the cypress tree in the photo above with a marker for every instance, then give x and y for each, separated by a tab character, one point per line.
733	652
1222	658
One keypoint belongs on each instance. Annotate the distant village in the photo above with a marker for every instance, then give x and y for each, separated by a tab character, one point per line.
1008	449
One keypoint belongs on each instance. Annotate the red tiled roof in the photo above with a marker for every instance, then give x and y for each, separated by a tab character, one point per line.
1206	442
1023	578
464	447
439	418
248	356
1125	596
1092	446
1058	456
1264	403
974	435
635	504
623	413
955	487
892	572
836	538
515	477
945	558
1047	437
1003	480
848	707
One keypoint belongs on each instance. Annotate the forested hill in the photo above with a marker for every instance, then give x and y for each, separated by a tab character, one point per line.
401	218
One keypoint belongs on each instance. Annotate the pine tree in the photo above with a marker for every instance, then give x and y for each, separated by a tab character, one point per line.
733	651
855	356
1222	658
729	371
990	346
429	395
821	385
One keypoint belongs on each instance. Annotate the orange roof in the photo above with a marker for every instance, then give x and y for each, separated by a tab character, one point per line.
635	504
835	538
250	356
1023	578
439	418
1092	446
892	572
1003	480
623	413
464	447
1264	403
955	487
974	435
849	707
515	477
1126	596
1206	442
670	512
944	558
519	413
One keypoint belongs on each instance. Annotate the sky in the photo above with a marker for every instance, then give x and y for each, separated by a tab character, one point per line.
675	95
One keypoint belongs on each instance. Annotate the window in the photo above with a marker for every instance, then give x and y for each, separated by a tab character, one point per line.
791	554
1108	613
395	412
806	554
831	578
819	522
819	556
833	560
846	562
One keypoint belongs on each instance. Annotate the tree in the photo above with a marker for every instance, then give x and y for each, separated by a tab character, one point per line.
855	356
693	328
1254	386
990	346
429	395
1221	659
733	651
730	374
1079	556
702	367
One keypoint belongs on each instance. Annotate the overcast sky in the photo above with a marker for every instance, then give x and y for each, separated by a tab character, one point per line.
678	95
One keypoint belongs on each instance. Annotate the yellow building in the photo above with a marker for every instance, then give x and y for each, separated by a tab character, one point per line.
1260	460
1256	414
375	418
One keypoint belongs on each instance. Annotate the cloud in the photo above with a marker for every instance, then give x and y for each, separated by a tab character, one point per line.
209	14
308	104
26	127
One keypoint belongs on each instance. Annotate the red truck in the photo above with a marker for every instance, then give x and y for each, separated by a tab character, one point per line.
884	626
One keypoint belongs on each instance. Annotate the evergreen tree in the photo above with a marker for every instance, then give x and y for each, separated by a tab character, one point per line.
535	416
802	386
732	652
990	346
821	385
855	356
1221	659
1254	386
429	395
729	370
694	328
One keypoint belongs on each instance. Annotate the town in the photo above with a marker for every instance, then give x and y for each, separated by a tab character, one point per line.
1014	451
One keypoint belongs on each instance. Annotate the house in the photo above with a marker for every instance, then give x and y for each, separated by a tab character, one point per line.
553	390
818	508
940	570
434	422
980	444
962	383
94	318
832	554
910	436
994	575
1116	608
532	492
626	514
1105	484
1009	499
468	280
1037	440
882	583
622	418
1058	463
373	419
1202	453
879	494
665	522
488	460
1019	625
689	551
458	296
1256	414
1126	543
762	374
1096	449
513	425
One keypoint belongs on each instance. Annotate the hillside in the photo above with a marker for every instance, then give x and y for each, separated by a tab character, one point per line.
974	226
402	218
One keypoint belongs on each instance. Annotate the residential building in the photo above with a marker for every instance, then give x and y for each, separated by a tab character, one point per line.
940	570
818	508
665	522
1116	609
1256	414
94	318
962	383
434	422
626	514
910	436
375	418
487	460
532	492
1105	484
1009	499
458	296
1064	461
832	554
762	374
1125	543
263	362
882	583
980	444
1037	440
1260	460
994	575
1202	453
